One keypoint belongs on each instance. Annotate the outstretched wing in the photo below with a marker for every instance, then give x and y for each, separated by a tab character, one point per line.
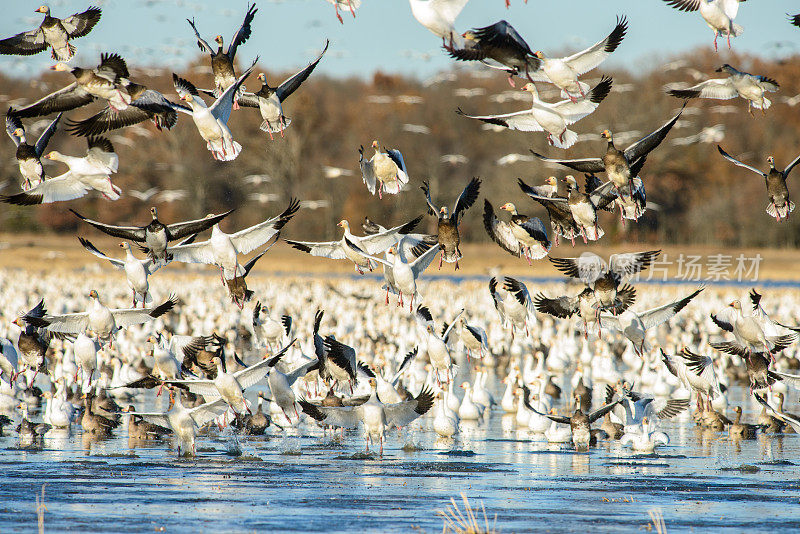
590	58
465	200
739	163
290	85
647	144
243	33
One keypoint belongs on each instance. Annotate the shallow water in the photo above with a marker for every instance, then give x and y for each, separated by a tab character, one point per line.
303	482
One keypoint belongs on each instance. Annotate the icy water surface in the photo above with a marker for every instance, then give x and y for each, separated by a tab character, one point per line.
302	482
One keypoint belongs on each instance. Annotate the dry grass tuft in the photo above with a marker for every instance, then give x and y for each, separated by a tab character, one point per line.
657	521
466	522
40	510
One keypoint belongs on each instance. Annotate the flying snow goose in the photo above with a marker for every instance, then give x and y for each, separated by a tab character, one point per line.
338	363
103	322
269	100
90	172
372	244
436	348
222	61
551	118
696	372
184	422
136	271
32	342
404	274
617	163
748	86
231	386
350	5
473	338
637	407
375	415
387	388
280	386
779	204
499	43
54	33
201	352
212	121
752	333
718	14
157	235
645	439
438	16
387	169
521	236
237	286
512	300
223	249
584	304
561	220
564	72
29	156
9	360
145	104
604	278
447	223
268	329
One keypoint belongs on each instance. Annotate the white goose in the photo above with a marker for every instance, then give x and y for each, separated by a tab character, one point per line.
513	302
551	118
85	350
439	16
386	169
136	271
268	329
445	424
743	84
436	347
469	409
718	14
646	440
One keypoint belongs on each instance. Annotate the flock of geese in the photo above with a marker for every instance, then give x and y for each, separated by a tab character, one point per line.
370	364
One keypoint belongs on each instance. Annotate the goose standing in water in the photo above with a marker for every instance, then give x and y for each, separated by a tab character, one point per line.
212	121
551	118
748	86
521	236
718	14
376	416
54	33
157	235
447	223
90	172
386	169
29	156
786	418
269	100
779	204
222	61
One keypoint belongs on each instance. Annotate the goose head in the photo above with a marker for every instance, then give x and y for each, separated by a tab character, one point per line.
571	182
154	213
19	132
770	160
125	246
42	9
724	68
736	305
508	206
344	224
606	134
469	35
54	155
376	145
218	40
539	54
551	180
61	67
531	88
93	294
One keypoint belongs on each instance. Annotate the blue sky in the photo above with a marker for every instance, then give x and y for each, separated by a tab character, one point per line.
384	35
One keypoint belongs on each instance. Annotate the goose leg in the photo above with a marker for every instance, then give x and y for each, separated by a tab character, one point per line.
350	5
511	81
715	42
283	125
400	300
387	294
729	40
338	16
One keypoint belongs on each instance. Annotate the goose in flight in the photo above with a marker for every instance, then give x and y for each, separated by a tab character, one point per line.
751	87
436	346
102	321
212	121
752	333
521	236
371	244
438	16
29	156
779	204
269	100
222	61
157	235
551	118
513	303
350	5
387	169
54	33
374	414
584	304
616	163
90	172
718	14
447	223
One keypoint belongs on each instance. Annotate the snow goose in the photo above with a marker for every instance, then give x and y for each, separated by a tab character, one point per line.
469	410
636	407
498	43
579	423
387	388
269	329
29	156
617	163
9	360
269	100
237	286
696	372
751	332
92	171
184	422
473	338
634	325
585	304
718	14
85	350
375	415
604	278
223	249
564	72
230	386
521	236
212	121
280	385
447	223
561	220
445	423
103	322
404	274
436	347
645	440
372	244
551	118
222	61
157	235
513	303
200	353
350	5
779	204
748	86
386	169
54	33
32	341
136	271
438	16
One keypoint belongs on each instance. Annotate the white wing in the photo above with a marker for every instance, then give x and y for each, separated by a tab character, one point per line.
662	314
730	7
208	411
590	58
719	89
523	121
419	265
70	323
194	253
572	112
448	9
64	187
